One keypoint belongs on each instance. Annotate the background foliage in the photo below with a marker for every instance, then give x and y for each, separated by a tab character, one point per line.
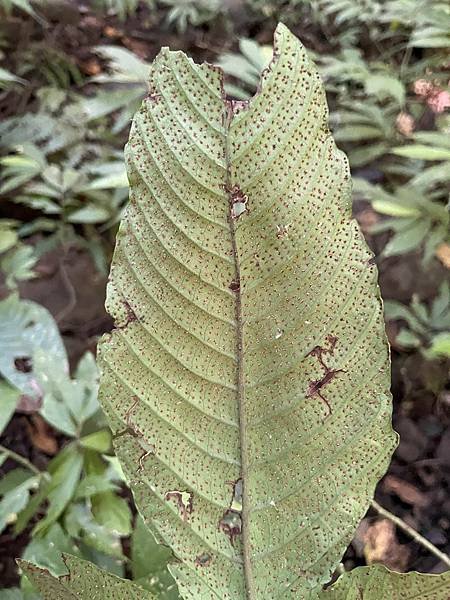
71	76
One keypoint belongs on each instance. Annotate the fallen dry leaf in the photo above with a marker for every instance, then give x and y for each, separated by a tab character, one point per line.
91	66
112	32
137	47
443	254
42	435
405	124
381	546
367	218
405	491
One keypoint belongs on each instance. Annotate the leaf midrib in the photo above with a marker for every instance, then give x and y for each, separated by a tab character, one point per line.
240	385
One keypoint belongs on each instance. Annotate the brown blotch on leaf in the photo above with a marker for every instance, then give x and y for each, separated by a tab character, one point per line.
231	524
184	502
235	286
153	96
130	315
315	386
238	201
283	231
23	364
203	560
143	456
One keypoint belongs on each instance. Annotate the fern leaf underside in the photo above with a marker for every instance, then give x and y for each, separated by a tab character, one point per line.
247	379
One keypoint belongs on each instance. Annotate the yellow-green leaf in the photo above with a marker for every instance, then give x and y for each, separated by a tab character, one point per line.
377	583
247	379
84	581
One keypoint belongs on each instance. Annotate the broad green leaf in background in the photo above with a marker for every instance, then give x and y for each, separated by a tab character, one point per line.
422	152
65	471
68	402
9	396
6	77
46	551
17	265
245	67
384	86
14	500
247	380
149	563
440	346
26	327
83	581
126	67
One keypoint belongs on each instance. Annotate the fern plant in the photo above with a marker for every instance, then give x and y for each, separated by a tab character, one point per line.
247	379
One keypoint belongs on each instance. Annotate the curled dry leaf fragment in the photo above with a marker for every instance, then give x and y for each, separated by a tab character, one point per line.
443	254
42	436
405	124
405	491
381	546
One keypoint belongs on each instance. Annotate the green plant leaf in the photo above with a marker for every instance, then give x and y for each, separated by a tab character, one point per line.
377	582
99	440
26	327
15	500
149	562
440	345
112	512
65	471
422	152
9	396
395	209
81	523
82	582
8	77
385	86
408	339
45	551
409	238
245	303
11	594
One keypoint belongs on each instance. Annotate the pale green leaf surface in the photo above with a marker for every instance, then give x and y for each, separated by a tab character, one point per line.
15	500
211	378
377	583
26	327
422	152
9	397
84	581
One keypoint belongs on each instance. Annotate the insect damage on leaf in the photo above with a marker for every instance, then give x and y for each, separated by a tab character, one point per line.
203	560
129	317
23	364
238	202
231	524
153	95
234	286
231	521
315	387
183	500
283	231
